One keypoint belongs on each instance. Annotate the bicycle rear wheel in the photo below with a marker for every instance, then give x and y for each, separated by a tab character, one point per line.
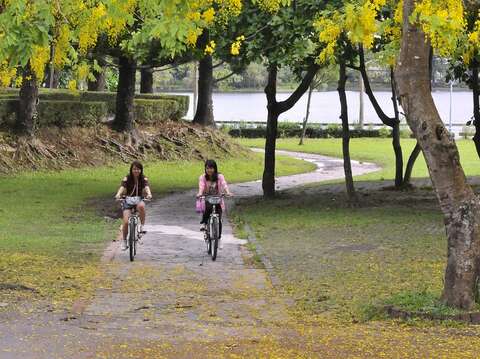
131	240
214	237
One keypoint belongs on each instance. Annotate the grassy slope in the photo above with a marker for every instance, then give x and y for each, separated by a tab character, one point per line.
51	235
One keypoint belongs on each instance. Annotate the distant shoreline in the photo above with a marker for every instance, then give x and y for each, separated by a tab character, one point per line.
352	89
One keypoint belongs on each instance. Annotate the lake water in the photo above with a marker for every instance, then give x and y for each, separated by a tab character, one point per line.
325	107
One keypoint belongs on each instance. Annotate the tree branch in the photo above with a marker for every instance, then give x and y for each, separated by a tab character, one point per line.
225	77
218	65
389	121
300	90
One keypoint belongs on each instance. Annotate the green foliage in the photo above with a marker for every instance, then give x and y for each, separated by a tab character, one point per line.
421	301
288	129
384	132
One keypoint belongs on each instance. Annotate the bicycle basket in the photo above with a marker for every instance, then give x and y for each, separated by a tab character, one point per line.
133	201
214	199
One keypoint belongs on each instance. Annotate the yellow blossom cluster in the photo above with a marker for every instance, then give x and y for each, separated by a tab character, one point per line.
90	28
6	74
360	21
39	59
210	48
116	24
62	45
442	21
472	45
236	45
271	6
329	30
208	15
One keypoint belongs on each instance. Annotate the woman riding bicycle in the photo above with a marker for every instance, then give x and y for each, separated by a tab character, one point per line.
135	184
212	183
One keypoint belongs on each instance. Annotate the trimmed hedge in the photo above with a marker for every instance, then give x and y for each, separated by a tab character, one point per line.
85	108
329	132
151	111
53	113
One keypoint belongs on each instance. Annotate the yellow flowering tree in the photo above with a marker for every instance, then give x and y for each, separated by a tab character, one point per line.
466	62
29	30
276	33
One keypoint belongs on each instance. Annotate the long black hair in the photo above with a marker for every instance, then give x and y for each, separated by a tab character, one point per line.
211	164
131	178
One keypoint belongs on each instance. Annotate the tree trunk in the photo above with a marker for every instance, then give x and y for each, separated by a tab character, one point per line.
347	165
52	82
52	67
275	109
476	107
100	83
460	206
204	114
361	110
268	181
397	148
27	107
146	80
394	122
307	114
411	161
124	113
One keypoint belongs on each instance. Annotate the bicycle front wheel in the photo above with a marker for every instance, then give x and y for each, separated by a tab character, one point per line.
214	237
131	240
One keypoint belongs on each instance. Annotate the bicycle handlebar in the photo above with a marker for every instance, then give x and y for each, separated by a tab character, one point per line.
223	195
144	199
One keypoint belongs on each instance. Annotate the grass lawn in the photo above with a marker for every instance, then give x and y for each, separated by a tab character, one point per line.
342	265
378	150
52	234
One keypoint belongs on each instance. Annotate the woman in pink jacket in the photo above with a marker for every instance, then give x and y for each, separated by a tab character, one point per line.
212	183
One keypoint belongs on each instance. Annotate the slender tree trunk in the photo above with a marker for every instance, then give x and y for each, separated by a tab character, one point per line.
394	122
307	114
411	161
100	82
397	148
476	107
124	113
347	165
52	67
195	87
27	107
204	114
52	81
460	206
268	182
361	110
146	80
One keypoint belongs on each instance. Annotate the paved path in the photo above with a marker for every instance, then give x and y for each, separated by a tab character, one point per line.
173	294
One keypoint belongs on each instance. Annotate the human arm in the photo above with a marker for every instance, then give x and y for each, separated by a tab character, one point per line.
123	188
224	186
201	186
146	191
120	192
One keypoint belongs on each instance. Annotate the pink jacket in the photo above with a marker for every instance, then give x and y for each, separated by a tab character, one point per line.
222	186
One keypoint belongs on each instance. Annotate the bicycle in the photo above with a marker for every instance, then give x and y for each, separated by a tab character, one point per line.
212	230
134	233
